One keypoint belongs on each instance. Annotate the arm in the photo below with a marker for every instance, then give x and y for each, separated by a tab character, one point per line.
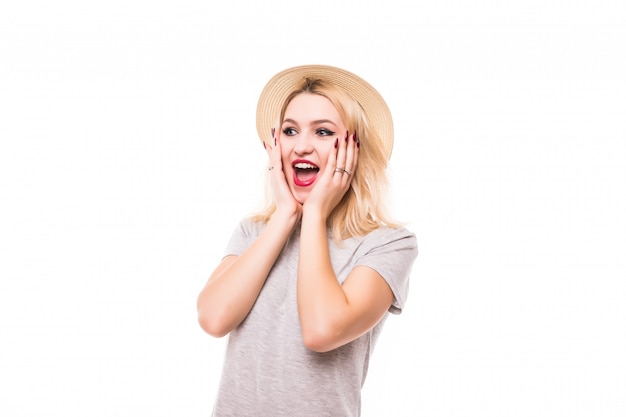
234	286
331	314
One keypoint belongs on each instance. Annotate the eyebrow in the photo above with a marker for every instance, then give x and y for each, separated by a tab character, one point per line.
314	122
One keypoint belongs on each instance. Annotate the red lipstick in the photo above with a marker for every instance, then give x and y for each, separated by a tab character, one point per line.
304	172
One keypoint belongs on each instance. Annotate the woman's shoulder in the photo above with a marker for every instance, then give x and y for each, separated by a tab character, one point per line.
391	233
249	226
390	238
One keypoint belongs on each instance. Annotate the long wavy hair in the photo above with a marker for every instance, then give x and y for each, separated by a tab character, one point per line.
363	208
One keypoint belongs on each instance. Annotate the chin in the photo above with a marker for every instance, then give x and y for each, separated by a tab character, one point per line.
300	196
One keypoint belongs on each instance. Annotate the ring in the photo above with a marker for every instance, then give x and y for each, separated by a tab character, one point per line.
339	169
270	168
347	172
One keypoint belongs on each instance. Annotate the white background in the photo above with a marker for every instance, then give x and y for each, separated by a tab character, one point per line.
129	153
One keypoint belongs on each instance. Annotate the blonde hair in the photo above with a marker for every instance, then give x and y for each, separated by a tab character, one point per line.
363	208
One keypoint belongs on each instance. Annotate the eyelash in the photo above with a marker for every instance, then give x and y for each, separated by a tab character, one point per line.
289	131
324	132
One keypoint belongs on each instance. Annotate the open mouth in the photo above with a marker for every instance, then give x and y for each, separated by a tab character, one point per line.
304	173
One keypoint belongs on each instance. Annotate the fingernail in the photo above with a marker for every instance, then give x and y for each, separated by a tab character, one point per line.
274	141
336	142
273	131
346	137
264	145
358	143
354	137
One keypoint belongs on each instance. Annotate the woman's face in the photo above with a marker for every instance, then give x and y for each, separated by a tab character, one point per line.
308	133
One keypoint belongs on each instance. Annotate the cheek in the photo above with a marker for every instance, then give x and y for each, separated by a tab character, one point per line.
285	157
326	151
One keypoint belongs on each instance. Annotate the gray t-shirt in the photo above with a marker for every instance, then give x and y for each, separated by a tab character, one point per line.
268	371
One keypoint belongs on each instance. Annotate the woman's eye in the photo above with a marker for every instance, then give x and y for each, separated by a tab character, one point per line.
289	131
325	132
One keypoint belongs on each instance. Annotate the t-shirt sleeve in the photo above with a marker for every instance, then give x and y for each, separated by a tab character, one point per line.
391	252
242	237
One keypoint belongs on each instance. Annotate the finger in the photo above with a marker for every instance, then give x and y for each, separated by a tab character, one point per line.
274	153
340	163
277	161
331	164
351	155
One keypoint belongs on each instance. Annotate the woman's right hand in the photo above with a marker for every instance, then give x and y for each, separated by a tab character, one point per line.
286	204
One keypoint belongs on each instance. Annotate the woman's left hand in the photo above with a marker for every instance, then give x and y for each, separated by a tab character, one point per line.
334	182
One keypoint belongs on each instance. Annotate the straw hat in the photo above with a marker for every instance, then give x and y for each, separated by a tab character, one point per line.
281	85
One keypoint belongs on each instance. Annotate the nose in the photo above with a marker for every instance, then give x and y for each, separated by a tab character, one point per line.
304	143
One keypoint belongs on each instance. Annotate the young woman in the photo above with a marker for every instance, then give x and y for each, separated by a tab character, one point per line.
305	286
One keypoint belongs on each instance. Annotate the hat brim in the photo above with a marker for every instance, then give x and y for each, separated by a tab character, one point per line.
281	85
